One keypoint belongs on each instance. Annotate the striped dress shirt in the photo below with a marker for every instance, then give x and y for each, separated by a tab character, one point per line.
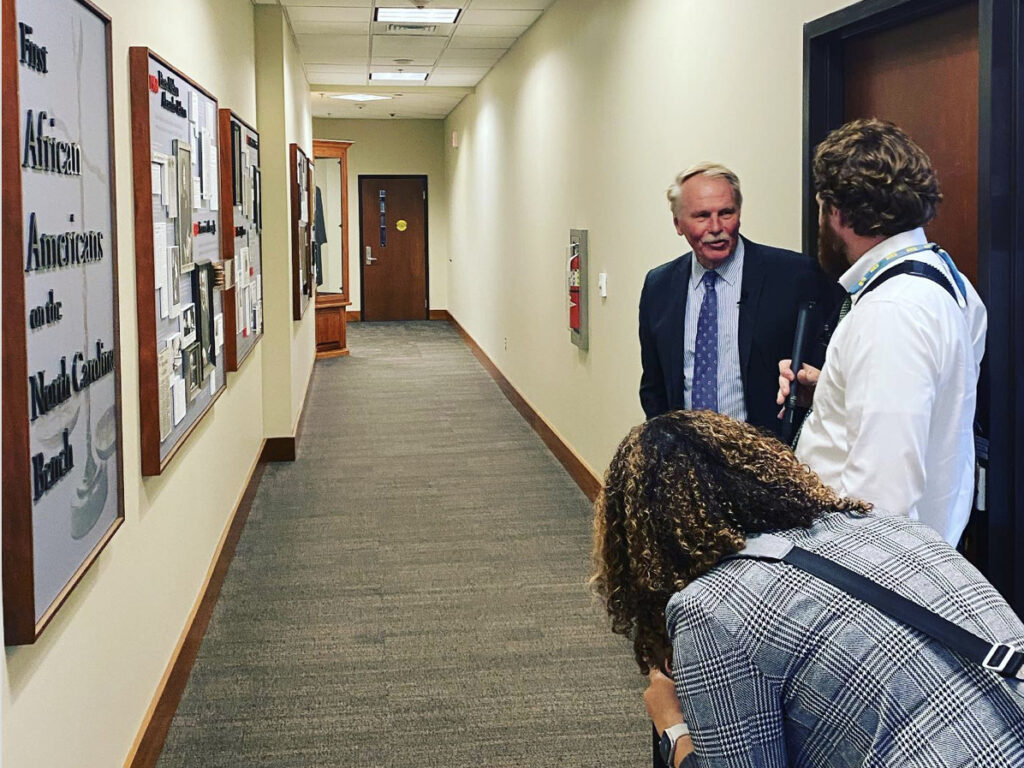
777	668
730	383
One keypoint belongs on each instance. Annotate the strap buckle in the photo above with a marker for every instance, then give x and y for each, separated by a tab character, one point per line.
990	659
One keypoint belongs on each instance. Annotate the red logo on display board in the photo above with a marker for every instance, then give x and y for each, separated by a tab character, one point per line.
154	84
195	228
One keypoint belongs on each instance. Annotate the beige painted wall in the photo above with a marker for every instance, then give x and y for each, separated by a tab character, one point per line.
284	117
583	124
396	147
78	696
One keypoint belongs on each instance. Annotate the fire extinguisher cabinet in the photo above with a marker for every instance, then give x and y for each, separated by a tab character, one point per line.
576	285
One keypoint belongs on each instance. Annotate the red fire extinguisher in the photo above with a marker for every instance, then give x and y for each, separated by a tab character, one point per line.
574	289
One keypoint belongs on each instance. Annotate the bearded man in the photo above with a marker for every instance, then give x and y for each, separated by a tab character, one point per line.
893	406
715	321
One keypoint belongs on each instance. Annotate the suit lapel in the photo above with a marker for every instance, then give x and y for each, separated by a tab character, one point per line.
673	335
750	296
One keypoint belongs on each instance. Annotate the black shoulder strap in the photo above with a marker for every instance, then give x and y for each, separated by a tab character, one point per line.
997	657
911	267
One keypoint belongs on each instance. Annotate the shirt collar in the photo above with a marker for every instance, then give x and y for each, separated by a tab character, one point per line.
853	275
731	270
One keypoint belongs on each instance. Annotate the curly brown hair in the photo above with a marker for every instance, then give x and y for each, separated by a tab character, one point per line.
877	177
683	491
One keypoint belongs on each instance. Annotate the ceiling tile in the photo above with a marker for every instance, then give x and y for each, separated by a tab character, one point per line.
408	47
499	18
510	5
377	62
318	70
333	3
327	49
489	30
330	14
341	78
469	79
467	57
481	42
334	28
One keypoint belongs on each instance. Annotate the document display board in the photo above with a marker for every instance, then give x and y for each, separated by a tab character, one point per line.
178	265
62	459
242	223
302	231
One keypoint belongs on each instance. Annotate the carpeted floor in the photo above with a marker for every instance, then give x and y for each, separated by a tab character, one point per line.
410	591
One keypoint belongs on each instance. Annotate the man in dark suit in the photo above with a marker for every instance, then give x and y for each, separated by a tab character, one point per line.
715	322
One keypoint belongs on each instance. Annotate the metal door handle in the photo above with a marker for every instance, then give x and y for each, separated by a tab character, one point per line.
369	256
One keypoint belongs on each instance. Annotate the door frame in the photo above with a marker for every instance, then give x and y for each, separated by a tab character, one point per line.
328	148
1000	232
426	235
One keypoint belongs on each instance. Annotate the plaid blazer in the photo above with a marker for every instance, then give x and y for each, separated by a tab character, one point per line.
775	667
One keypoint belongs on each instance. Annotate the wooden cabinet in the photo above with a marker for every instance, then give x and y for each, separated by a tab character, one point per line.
330	325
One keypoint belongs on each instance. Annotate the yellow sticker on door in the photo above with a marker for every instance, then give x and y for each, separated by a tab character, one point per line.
402	225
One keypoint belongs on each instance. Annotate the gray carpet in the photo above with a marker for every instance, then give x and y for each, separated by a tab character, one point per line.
410	591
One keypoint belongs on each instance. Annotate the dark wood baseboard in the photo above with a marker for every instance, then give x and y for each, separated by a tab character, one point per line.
439	314
278	449
150	741
286	448
353	316
588	482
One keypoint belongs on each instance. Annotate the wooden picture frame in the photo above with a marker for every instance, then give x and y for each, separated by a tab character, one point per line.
168	111
61	505
302	231
242	243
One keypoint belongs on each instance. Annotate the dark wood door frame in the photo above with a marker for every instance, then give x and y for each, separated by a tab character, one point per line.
339	149
426	233
1000	232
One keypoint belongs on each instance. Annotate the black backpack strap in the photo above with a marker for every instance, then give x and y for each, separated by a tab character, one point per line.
997	657
911	267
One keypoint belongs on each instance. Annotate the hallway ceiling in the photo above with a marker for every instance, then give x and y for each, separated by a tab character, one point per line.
340	45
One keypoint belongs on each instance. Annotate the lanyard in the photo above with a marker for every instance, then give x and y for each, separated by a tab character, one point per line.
909	250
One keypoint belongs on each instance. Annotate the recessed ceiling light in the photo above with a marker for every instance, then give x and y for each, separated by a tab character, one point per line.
422	15
398	75
359	96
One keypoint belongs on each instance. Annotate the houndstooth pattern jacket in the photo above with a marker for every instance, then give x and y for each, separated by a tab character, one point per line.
775	667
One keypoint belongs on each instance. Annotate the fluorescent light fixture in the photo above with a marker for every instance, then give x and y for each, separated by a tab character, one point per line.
398	75
418	15
359	97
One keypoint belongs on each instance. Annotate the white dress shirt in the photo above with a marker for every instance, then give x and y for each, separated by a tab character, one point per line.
894	407
728	291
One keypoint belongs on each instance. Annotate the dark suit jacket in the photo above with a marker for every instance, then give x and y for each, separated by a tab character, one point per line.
774	283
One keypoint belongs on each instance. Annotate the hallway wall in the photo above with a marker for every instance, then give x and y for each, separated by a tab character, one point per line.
584	124
77	697
413	147
284	118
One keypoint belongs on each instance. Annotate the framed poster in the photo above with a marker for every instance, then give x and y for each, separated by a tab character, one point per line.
302	250
240	181
63	485
179	269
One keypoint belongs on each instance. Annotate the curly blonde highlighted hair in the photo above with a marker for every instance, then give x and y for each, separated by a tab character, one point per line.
684	490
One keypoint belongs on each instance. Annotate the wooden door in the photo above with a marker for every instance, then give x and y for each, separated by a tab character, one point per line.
393	247
923	76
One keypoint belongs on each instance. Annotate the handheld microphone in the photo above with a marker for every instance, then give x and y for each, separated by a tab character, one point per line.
797	362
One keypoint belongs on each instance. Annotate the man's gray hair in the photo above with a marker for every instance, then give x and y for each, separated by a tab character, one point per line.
711	170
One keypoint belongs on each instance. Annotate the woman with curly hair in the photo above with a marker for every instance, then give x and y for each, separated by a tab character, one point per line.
773	666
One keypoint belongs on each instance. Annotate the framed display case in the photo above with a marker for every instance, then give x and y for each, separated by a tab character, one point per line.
242	224
63	488
178	257
302	231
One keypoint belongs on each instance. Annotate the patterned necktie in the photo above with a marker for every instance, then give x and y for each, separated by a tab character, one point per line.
705	362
